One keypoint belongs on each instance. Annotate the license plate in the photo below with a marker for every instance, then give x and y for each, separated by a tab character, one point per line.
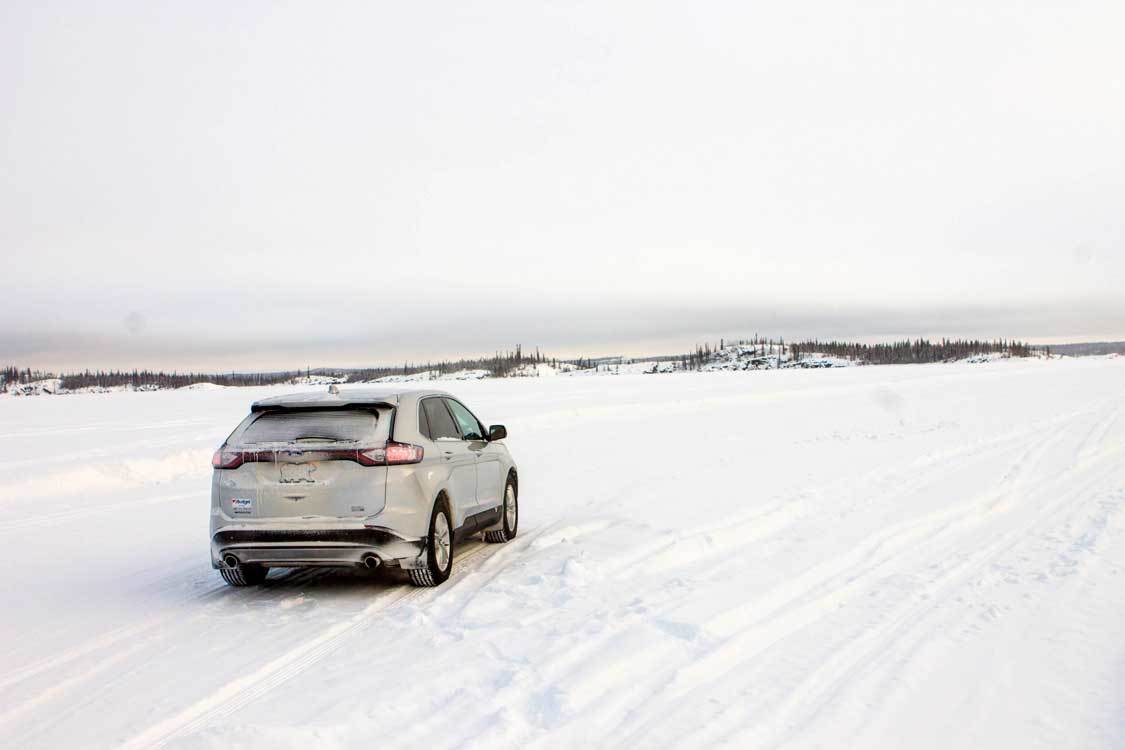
297	473
242	505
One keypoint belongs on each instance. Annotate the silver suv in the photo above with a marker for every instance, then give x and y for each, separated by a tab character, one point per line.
358	478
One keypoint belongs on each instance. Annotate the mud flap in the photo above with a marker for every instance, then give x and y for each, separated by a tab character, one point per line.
416	563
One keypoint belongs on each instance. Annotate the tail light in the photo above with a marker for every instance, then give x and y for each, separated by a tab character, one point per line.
392	454
224	459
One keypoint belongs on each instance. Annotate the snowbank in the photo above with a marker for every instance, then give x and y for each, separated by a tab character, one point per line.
977	359
541	370
768	357
431	375
84	478
318	380
46	387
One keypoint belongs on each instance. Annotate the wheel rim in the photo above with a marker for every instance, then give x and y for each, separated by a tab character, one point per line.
510	507
441	541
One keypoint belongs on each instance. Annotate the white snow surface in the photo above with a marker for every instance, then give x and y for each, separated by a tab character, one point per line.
542	369
872	557
47	387
318	380
431	375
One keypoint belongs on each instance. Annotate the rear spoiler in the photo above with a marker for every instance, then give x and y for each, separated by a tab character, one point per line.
257	408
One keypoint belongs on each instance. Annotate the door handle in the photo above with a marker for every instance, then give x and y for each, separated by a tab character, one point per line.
448	455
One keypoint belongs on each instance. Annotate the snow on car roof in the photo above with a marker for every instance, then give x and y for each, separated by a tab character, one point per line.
342	397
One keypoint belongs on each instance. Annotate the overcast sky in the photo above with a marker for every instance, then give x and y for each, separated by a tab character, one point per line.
252	185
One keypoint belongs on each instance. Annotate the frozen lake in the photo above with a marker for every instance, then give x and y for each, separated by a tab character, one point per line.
922	556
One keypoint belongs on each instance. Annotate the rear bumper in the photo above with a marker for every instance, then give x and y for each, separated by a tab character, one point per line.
285	547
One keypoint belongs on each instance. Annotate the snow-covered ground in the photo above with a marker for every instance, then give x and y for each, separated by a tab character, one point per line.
912	556
428	375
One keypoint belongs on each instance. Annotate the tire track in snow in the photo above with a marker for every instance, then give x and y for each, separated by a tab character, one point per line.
716	540
150	631
816	690
865	652
218	590
16	676
777	616
888	541
58	689
1094	441
981	602
50	519
237	693
615	709
68	672
784	610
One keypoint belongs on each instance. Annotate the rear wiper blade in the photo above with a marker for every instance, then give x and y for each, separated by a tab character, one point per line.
323	439
282	444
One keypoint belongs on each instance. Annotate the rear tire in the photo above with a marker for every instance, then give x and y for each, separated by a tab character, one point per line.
243	575
509	516
439	549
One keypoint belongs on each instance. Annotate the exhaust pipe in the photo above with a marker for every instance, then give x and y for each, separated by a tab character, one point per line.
370	561
230	561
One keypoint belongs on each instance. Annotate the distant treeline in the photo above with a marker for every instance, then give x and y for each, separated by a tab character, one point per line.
500	364
1086	350
514	362
911	352
704	353
17	375
897	353
139	378
160	379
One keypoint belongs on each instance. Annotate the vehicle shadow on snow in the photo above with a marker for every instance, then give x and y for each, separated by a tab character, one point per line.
343	579
346	583
327	584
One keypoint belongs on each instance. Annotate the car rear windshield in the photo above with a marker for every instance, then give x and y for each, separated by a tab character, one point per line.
348	426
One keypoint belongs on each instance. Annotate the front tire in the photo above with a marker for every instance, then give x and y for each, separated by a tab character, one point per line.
509	516
243	575
439	550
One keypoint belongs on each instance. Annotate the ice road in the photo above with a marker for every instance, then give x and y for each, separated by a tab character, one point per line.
873	557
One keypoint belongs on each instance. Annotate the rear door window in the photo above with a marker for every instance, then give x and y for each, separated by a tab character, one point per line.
342	426
470	427
440	423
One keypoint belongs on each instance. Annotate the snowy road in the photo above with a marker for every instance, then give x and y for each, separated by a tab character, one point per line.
923	556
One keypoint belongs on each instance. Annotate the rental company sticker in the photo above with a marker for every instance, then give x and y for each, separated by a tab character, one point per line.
242	505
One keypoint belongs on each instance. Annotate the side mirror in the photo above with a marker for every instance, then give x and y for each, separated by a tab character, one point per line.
497	432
